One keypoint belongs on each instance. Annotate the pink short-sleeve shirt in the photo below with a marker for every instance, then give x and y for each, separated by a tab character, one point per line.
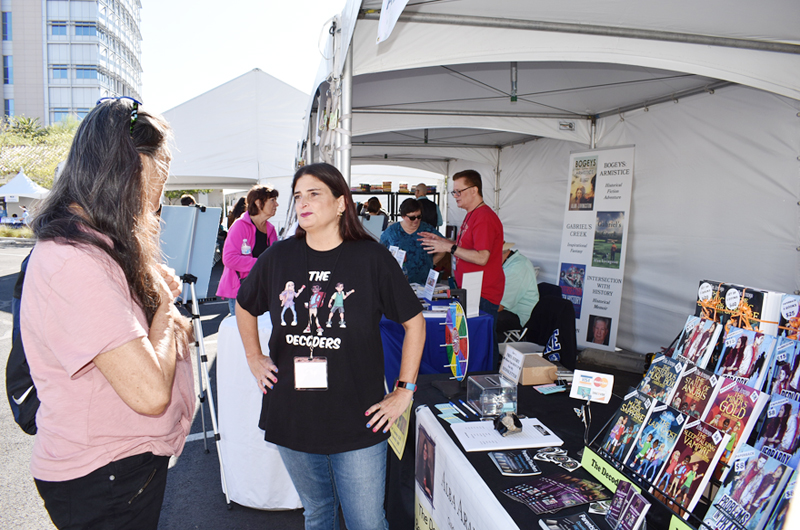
76	305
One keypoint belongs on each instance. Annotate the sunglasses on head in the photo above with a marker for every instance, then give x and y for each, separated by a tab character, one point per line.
134	108
414	217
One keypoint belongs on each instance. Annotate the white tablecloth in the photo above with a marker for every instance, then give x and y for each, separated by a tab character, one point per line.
254	472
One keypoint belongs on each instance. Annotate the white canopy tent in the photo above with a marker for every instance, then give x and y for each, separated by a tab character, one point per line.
237	134
22	186
709	95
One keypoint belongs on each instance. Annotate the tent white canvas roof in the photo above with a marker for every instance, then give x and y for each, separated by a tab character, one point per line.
709	95
22	186
232	136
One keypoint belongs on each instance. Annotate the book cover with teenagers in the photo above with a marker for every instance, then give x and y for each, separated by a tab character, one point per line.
735	409
697	341
655	440
746	356
778	518
784	372
694	390
779	437
626	423
749	493
696	453
661	378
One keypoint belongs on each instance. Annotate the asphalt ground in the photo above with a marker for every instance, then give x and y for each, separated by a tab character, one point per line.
194	497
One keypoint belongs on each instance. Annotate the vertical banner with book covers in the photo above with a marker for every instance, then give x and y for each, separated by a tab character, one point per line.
593	243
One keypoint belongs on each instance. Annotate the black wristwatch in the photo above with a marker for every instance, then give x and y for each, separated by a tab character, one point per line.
453	249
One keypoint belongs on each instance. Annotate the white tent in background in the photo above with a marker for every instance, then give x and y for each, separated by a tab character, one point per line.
241	132
709	95
22	186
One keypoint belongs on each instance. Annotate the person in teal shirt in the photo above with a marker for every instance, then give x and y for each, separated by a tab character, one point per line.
521	293
404	235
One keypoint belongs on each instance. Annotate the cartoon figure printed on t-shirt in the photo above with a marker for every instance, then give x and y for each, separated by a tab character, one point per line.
287	301
314	303
336	304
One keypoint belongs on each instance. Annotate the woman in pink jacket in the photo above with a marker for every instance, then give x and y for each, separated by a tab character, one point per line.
248	237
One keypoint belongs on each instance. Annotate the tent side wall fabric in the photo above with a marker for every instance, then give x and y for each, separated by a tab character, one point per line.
715	196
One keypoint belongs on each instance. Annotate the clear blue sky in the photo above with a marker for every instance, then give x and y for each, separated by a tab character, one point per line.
189	48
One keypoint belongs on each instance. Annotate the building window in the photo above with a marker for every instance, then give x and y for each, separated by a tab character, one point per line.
8	107
86	30
6	25
81	113
8	70
60	72
60	114
86	72
58	28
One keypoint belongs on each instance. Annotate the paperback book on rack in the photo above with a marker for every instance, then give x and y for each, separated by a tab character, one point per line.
746	356
661	378
688	470
777	520
784	373
694	391
749	493
697	341
626	423
780	435
734	410
655	439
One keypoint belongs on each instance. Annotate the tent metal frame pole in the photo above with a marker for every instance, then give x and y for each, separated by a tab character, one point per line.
428	145
497	188
312	133
483	113
588	29
593	141
446	196
347	116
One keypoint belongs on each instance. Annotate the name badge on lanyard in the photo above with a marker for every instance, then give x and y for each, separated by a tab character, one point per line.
311	373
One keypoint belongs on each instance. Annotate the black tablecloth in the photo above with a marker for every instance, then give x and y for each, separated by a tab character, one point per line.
555	411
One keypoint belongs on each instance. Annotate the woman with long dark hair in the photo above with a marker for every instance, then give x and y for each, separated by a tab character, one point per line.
249	236
108	350
324	405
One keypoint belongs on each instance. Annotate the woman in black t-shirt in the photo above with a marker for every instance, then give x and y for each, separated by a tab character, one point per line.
324	404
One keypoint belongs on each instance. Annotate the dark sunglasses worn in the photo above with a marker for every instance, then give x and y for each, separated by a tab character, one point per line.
413	217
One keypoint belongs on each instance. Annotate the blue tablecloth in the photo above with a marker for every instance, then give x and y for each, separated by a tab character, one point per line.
434	357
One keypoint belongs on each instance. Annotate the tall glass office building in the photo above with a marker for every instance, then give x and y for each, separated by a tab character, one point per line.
61	56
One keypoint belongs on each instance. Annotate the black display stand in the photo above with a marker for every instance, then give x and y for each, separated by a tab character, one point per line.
557	412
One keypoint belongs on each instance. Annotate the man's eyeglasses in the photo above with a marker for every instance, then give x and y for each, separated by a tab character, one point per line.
134	109
457	193
414	217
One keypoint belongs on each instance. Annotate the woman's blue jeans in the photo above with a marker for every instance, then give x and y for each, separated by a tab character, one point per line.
356	480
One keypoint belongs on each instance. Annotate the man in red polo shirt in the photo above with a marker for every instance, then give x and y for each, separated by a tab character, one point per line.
478	246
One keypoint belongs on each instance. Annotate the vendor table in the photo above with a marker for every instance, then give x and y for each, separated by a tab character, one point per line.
434	357
254	472
459	476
